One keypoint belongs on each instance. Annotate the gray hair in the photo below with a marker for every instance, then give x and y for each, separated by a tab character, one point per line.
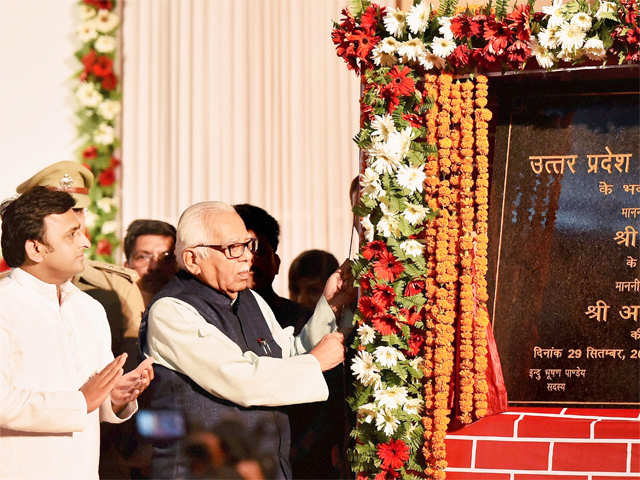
195	226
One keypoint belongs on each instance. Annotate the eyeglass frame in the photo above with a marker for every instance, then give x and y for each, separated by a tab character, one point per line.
226	249
147	257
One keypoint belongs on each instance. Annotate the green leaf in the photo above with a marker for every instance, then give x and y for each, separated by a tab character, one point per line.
357	7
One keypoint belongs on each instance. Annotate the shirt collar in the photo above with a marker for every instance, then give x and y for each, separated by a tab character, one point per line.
212	295
45	289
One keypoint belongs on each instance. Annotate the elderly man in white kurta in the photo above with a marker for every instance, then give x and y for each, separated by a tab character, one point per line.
218	349
53	340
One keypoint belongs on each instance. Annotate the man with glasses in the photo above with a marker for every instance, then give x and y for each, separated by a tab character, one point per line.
148	247
219	351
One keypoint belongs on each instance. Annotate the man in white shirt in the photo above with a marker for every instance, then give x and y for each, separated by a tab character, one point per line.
58	377
219	351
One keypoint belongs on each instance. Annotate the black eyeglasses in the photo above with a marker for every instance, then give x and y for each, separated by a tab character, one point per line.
235	250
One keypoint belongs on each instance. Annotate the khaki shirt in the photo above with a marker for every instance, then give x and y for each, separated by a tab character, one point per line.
116	289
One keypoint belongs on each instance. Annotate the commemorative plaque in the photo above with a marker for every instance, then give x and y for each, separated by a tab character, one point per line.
565	238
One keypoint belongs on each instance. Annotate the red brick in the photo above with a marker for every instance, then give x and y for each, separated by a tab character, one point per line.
553	427
512	455
533	476
604	412
590	457
635	457
459	453
617	429
476	476
494	426
615	478
545	410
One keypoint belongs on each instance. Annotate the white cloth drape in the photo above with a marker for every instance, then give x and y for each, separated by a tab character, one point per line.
240	101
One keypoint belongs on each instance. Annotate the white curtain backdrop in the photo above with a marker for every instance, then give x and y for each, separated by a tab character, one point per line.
240	101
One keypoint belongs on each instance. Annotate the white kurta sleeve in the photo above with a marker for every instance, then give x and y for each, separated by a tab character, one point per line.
180	339
34	411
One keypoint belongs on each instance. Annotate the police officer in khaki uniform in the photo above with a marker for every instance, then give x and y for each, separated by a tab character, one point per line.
113	286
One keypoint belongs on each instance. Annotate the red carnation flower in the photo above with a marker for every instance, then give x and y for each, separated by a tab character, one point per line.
89	59
383	296
416	340
372	16
466	27
391	98
110	82
103	247
107	177
400	83
3	265
100	4
103	66
363	43
388	267
460	56
368	308
374	249
414	287
90	152
365	281
385	324
115	162
393	454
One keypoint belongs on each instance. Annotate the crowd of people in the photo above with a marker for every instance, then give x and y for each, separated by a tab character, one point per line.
198	333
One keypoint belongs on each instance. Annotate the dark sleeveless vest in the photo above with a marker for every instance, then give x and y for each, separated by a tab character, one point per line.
245	325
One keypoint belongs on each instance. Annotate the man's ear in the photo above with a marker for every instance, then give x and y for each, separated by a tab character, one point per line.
34	250
189	258
278	261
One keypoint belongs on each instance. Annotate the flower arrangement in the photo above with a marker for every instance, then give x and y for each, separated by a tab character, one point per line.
98	96
421	347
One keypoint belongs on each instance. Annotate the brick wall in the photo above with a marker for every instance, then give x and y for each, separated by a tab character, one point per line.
548	444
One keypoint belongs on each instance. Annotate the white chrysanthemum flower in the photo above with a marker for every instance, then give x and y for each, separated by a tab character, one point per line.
418	18
367	412
442	47
411	178
605	8
104	134
543	56
388	225
389	155
369	229
430	61
415	214
109	109
554	12
87	31
548	38
391	397
364	368
90	218
106	21
105	204
555	21
413	248
386	422
594	49
367	334
445	27
395	22
567	55
581	20
105	44
417	363
86	12
368	177
109	227
88	95
413	406
571	37
374	191
388	356
383	126
412	49
389	45
383	59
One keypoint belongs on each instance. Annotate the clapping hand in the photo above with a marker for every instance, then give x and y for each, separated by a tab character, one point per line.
96	389
128	387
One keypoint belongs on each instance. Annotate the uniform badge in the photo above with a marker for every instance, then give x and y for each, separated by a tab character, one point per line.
66	182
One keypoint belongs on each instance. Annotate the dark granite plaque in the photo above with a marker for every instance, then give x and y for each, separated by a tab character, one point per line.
565	239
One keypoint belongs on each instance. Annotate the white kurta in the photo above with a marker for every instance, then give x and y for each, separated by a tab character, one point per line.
48	351
179	338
